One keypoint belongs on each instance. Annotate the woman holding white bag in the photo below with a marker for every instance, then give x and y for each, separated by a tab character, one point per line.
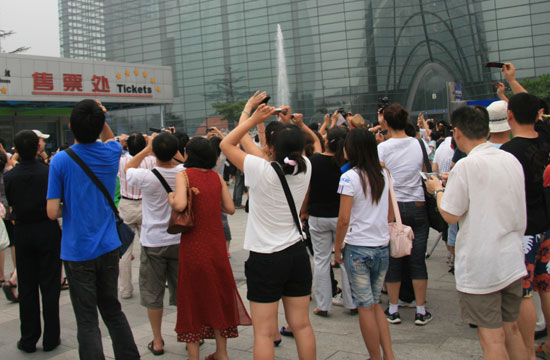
365	210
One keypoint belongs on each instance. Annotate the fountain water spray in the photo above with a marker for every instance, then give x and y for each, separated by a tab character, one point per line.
283	94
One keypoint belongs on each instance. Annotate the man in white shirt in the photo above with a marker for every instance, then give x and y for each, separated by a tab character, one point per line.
130	209
159	250
485	195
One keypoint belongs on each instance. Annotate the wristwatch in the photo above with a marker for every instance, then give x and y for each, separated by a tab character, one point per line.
438	191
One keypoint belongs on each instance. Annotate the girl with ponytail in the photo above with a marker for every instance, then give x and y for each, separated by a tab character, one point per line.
278	265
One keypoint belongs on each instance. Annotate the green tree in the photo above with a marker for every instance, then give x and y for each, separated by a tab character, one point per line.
4	34
231	111
539	86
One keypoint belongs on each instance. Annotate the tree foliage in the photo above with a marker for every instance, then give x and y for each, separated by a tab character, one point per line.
4	34
231	111
539	86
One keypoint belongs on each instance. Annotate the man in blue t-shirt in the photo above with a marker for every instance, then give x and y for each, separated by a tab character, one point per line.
90	243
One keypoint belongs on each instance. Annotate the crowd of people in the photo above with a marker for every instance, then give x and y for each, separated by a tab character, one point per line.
332	189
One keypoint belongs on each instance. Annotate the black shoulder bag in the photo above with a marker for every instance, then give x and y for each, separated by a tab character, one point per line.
289	197
125	234
435	218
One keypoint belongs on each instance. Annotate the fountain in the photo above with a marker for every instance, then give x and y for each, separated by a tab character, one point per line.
283	94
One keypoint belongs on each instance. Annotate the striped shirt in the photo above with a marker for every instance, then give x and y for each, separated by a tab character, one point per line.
131	192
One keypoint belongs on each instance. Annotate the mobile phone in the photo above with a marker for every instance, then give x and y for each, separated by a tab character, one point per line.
495	65
428	175
267	98
282	111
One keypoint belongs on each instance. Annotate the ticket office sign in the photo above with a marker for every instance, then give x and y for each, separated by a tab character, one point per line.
35	78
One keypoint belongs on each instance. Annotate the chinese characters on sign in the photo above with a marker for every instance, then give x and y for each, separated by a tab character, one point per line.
72	82
42	81
100	83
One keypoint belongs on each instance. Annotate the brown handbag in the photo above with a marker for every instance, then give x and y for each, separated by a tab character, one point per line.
180	221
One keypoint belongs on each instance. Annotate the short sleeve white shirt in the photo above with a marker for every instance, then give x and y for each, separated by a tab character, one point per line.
368	225
487	190
156	210
270	227
404	159
444	155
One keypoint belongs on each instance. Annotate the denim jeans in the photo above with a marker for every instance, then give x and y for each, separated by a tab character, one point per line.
366	267
416	217
323	231
93	286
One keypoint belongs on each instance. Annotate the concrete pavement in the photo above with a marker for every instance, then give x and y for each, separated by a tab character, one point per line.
338	336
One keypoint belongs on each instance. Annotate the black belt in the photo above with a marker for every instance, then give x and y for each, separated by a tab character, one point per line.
127	198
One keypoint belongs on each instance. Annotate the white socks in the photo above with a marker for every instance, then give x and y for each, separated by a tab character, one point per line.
421	309
394	308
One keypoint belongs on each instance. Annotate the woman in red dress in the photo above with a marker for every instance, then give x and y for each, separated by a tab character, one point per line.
209	305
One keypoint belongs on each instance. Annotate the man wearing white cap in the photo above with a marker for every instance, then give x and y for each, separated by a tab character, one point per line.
498	124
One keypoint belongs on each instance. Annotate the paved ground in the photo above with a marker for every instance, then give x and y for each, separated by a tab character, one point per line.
338	336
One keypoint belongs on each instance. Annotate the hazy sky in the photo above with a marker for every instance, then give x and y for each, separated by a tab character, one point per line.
35	23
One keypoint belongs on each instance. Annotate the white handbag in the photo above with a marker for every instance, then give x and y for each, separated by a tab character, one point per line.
401	236
4	239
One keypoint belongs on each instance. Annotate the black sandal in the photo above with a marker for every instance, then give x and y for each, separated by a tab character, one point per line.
7	287
151	348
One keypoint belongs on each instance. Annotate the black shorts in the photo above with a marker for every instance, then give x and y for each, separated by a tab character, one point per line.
284	273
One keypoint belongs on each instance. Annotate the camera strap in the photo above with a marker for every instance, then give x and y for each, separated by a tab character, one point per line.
94	179
288	195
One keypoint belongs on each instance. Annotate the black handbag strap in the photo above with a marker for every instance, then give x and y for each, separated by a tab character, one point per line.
94	179
425	155
162	181
288	195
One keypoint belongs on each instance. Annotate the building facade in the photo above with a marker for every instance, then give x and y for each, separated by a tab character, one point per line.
339	53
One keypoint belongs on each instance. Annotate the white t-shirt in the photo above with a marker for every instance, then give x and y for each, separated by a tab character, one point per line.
156	210
404	159
368	225
444	155
129	191
270	227
487	190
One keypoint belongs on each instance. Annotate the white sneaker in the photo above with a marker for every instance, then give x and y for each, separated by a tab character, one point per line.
338	300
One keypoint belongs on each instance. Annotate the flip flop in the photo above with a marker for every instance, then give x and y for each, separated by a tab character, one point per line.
210	357
277	343
152	349
286	333
539	352
7	287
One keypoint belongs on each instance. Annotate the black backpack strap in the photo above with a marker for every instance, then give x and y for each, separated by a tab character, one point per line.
94	179
425	154
288	195
162	181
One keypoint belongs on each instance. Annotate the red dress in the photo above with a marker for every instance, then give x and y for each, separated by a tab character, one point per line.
208	299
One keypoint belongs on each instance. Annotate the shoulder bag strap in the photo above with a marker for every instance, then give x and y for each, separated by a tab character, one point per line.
162	181
288	195
396	212
94	179
425	155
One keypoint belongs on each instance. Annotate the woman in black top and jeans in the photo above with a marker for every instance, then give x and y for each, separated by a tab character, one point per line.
322	208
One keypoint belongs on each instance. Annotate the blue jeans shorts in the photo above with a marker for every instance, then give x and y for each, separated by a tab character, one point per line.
366	267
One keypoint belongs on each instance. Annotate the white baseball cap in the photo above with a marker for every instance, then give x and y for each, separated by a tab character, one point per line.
498	116
41	135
